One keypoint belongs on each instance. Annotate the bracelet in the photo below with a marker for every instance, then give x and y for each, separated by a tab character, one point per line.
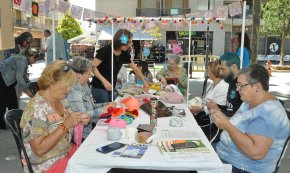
62	126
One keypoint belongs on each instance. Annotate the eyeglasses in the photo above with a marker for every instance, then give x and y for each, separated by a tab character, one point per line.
239	85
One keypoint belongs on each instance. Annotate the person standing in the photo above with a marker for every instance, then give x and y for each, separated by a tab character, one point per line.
22	45
101	82
247	49
60	47
13	71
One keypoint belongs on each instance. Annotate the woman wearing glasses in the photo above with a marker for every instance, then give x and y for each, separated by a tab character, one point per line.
13	71
22	45
172	70
47	121
101	83
252	140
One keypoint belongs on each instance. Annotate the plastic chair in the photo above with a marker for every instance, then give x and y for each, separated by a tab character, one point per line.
33	87
12	119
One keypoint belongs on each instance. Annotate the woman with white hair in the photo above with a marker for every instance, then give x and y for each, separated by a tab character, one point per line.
252	140
172	70
80	95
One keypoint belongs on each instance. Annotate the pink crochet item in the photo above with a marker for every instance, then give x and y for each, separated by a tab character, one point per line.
117	123
171	97
78	134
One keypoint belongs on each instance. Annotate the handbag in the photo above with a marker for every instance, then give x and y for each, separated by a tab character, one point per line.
147	108
162	110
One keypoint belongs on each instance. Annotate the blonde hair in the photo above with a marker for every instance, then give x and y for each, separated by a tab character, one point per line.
214	68
58	70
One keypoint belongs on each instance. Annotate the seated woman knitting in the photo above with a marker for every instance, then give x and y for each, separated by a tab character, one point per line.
173	71
80	95
216	91
48	122
252	140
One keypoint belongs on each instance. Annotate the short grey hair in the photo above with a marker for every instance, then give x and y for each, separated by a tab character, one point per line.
256	73
175	58
81	64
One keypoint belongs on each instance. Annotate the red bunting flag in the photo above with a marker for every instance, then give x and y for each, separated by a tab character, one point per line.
17	2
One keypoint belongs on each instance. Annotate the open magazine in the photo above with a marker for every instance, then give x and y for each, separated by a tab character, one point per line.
181	146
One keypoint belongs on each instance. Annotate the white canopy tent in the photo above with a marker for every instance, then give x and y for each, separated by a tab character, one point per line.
84	38
106	34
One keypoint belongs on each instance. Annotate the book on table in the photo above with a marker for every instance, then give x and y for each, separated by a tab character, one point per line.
181	146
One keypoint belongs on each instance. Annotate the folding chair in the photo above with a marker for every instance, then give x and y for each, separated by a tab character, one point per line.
12	119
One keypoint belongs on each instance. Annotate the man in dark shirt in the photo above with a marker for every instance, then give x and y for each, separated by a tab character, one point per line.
102	84
229	68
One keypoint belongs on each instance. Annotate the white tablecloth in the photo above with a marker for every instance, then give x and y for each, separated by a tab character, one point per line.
88	160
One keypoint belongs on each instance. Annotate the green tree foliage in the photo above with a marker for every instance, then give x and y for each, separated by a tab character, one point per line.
276	16
69	27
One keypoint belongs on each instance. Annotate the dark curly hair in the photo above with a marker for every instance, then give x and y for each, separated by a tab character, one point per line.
23	37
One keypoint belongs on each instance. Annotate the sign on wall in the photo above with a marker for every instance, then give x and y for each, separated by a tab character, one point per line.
273	46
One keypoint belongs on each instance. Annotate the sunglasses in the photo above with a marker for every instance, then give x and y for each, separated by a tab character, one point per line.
66	68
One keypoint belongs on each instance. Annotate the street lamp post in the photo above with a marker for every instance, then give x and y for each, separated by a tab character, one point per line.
28	17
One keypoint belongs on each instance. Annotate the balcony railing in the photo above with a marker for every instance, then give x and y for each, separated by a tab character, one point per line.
24	24
155	12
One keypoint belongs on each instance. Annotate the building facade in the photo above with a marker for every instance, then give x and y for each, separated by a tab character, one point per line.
22	22
219	39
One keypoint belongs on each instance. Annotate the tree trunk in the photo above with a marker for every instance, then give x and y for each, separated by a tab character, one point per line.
255	30
282	49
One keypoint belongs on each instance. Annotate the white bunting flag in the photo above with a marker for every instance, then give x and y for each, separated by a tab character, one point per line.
235	9
222	12
41	9
63	6
76	11
88	14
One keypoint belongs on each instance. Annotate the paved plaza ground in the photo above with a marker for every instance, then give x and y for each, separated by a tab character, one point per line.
9	159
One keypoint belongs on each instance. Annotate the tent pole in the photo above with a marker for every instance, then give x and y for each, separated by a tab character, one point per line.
112	64
243	34
188	60
53	36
